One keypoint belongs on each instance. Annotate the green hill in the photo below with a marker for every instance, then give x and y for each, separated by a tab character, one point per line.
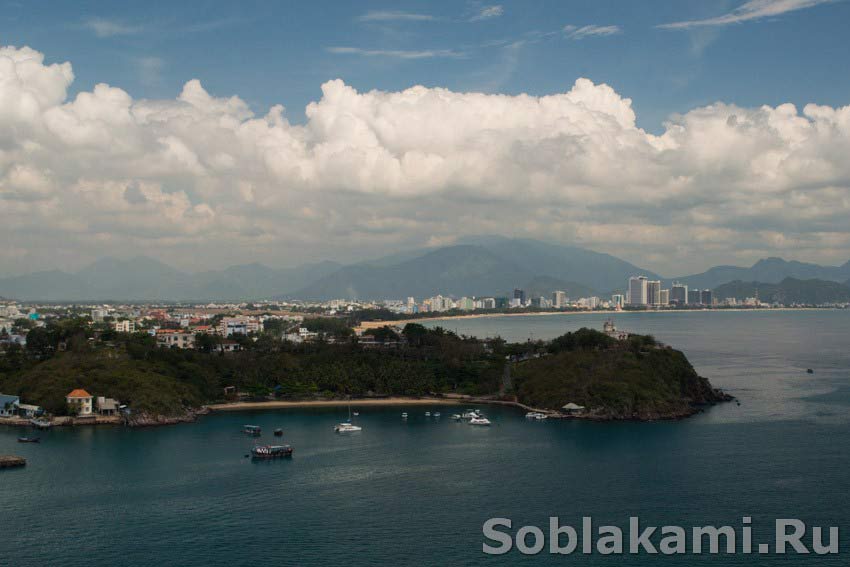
789	291
634	379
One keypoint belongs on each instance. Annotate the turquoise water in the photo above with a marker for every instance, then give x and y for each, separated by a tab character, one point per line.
417	493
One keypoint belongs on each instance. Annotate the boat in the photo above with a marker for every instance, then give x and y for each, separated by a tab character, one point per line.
457	416
278	432
254	430
436	414
427	414
404	415
809	371
29	440
41	423
470	414
536	415
270	451
479	421
355	414
346	427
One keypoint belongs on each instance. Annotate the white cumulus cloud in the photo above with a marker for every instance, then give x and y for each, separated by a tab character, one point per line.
201	180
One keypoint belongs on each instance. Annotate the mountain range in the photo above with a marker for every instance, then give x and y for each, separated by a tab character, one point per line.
788	291
482	266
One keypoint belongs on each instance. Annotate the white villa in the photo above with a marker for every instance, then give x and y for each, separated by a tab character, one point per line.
81	400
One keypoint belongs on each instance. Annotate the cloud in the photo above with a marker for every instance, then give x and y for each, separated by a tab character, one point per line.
750	11
202	180
488	12
394	53
575	32
394	16
103	27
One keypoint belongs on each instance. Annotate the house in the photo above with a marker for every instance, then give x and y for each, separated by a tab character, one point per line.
572	408
9	405
29	411
107	406
227	346
167	338
81	401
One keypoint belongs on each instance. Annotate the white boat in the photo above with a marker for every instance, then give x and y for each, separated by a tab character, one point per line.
346	427
536	415
457	416
479	421
355	414
436	414
404	415
427	414
470	414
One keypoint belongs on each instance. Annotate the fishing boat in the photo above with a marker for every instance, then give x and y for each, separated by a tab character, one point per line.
278	432
479	421
41	423
270	451
254	430
29	440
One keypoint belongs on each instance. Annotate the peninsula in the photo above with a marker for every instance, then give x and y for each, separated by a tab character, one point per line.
611	375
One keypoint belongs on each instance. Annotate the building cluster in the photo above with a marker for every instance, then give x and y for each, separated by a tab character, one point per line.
519	299
643	292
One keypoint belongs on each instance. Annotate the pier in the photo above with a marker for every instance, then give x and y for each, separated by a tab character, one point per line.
8	461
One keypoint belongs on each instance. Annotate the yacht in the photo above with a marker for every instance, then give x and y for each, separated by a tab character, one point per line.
536	415
346	426
470	414
479	421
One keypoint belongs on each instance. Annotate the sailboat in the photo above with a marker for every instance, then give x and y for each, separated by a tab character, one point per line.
347	426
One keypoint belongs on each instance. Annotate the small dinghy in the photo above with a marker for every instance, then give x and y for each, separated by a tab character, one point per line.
29	440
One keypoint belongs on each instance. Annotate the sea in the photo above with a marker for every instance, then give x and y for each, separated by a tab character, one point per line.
419	491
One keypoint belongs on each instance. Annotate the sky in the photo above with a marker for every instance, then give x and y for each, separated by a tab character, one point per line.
677	135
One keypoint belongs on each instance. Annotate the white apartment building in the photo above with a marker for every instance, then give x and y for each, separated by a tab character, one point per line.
638	290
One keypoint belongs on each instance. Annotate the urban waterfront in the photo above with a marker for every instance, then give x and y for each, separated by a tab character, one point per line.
417	493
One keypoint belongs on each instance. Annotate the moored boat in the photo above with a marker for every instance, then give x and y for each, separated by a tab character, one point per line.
29	440
346	427
254	430
41	423
278	432
479	421
271	451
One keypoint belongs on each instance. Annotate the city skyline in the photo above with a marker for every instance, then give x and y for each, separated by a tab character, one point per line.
371	141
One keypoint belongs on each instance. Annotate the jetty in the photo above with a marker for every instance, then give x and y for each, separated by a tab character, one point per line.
8	461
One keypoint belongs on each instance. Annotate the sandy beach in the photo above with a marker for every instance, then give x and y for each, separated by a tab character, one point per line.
365	325
244	406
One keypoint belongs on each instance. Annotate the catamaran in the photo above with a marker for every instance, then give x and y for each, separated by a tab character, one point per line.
347	426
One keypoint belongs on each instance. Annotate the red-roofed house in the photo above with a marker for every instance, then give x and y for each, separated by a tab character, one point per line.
81	401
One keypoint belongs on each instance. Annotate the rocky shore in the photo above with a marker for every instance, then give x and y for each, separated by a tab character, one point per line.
144	419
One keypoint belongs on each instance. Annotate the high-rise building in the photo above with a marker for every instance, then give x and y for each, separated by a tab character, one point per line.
520	294
694	297
679	293
637	290
653	292
559	299
665	297
618	300
705	297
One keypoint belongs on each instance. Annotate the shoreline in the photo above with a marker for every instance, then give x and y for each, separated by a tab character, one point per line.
362	402
366	325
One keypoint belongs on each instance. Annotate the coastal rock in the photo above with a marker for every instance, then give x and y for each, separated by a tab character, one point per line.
145	419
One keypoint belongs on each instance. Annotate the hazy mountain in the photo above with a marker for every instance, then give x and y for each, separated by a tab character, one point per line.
545	285
145	279
768	270
487	265
788	291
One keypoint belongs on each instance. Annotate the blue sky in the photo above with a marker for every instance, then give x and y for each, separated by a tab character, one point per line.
280	52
